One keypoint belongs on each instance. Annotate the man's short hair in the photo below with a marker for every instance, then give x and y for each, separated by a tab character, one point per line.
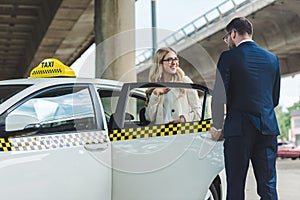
241	24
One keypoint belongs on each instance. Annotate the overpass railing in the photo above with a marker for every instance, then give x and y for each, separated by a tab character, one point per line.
201	23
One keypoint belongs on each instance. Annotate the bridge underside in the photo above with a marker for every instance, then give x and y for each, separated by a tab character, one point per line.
276	28
34	29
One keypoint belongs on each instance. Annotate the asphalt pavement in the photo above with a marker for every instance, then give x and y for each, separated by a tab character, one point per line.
288	181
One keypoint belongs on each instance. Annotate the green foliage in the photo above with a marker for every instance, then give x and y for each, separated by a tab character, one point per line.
283	122
296	106
284	119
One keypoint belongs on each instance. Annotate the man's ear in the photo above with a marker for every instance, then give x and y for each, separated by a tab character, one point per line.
234	34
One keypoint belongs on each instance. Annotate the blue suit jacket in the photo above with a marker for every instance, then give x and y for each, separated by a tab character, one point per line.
248	81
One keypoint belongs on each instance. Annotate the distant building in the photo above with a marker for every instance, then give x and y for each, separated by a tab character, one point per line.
295	126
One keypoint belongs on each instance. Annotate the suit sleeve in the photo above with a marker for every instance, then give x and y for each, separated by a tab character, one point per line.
276	87
219	92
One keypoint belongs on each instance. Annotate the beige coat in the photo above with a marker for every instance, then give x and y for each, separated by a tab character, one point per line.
188	104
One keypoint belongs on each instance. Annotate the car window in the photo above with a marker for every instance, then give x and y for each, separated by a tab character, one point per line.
133	109
139	107
139	115
207	110
109	97
7	91
57	109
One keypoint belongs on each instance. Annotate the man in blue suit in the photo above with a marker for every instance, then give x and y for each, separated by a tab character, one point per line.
248	82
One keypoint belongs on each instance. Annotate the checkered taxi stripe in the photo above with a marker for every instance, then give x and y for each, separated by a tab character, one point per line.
160	130
51	141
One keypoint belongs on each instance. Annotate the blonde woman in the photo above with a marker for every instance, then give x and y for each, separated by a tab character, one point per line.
167	105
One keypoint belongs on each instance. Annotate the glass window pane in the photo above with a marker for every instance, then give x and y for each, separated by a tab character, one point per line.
165	108
207	112
7	91
58	109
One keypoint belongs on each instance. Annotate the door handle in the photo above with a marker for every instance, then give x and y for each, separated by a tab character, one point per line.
206	135
96	147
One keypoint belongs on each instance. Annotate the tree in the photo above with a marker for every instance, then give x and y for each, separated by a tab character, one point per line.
283	122
296	106
284	119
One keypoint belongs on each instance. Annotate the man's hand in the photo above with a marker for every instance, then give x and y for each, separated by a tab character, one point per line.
216	134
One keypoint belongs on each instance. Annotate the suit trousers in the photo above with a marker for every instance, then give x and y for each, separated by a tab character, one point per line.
262	151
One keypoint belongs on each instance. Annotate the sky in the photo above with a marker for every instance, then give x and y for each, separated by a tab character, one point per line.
289	91
172	15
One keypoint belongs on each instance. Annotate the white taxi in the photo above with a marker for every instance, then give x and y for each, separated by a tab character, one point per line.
71	138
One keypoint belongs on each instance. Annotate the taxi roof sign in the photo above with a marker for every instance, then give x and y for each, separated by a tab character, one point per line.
52	67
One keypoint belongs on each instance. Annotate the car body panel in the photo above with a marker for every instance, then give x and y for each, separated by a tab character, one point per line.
288	150
182	174
288	153
57	165
64	173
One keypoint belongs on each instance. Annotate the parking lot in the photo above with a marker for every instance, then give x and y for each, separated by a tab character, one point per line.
288	174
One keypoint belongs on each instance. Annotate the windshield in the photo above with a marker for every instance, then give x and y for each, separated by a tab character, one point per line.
7	91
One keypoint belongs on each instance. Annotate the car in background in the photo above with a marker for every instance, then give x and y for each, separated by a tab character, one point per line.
288	150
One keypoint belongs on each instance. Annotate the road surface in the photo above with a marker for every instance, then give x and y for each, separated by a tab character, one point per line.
288	181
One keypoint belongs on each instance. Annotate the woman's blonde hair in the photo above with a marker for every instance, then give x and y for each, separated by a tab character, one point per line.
156	71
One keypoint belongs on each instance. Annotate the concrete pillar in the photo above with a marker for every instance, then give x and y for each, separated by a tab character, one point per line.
115	39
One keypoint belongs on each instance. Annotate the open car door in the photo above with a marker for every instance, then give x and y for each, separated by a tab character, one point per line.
163	161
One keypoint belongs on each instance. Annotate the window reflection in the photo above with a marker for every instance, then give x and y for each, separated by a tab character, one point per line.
58	109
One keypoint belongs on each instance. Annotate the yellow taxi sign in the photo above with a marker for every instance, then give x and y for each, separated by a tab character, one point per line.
51	67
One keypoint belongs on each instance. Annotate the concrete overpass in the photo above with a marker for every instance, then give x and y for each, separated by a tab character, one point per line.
31	30
199	43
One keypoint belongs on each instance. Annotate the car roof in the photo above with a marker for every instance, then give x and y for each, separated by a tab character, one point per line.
33	81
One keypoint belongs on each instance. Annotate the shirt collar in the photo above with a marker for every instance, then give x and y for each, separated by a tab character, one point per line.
246	40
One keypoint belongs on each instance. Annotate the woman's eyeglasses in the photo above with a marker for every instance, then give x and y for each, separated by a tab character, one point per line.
171	60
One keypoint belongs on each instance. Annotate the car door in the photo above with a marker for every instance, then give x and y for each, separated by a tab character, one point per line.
54	146
162	161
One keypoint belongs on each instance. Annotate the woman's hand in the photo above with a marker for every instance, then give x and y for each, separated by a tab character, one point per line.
160	91
180	120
